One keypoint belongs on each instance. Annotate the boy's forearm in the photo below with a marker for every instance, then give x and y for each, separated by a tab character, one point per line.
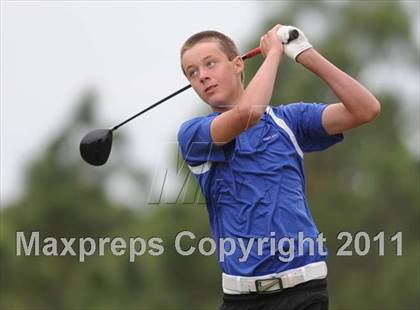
355	97
258	93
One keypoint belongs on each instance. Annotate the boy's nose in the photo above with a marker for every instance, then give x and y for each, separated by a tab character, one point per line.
203	76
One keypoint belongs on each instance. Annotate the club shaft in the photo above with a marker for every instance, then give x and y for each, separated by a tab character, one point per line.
248	55
152	106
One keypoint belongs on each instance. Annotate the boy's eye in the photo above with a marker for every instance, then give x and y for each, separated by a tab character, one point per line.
192	73
211	63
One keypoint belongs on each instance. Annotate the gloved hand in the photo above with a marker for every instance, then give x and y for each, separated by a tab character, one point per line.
296	46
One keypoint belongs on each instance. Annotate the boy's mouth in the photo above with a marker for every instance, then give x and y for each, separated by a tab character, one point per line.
210	88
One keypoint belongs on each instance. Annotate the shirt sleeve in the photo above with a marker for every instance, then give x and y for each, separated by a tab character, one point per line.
305	120
196	143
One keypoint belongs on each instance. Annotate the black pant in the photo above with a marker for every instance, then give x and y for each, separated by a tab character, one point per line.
312	295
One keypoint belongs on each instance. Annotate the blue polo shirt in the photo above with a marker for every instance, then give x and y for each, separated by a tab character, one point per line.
254	186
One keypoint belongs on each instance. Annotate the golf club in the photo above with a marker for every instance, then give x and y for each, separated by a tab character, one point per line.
95	147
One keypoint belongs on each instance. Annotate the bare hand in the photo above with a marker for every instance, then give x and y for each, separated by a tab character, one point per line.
270	43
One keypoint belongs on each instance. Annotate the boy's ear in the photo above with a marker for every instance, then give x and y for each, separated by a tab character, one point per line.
239	64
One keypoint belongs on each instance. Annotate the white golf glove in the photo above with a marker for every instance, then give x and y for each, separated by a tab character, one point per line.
296	46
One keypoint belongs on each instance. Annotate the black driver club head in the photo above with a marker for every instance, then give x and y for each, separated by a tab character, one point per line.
95	147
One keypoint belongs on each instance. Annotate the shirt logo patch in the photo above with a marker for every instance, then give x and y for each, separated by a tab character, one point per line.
269	137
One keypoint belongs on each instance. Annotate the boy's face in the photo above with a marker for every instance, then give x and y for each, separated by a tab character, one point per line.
215	78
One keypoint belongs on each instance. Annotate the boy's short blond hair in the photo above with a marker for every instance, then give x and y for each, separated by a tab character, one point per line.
227	45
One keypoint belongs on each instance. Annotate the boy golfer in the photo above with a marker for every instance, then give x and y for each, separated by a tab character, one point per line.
247	157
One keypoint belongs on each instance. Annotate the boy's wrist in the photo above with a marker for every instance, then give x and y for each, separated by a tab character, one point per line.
276	54
306	56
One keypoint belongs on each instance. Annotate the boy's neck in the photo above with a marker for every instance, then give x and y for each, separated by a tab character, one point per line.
236	99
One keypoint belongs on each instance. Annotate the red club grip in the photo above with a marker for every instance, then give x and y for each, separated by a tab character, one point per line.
293	34
252	53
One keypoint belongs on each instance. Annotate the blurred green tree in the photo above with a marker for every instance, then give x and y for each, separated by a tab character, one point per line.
63	200
369	182
66	198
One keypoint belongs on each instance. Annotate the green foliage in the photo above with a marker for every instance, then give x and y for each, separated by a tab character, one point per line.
369	182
